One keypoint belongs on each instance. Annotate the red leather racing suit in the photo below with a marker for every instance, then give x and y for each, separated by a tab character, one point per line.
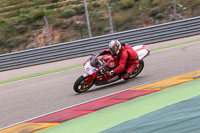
127	56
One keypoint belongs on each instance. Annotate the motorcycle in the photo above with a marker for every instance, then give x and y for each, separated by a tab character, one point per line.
96	66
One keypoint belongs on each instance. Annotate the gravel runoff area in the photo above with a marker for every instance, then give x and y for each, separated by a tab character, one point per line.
5	75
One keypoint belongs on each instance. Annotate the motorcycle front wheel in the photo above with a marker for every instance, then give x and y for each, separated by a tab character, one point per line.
137	70
82	84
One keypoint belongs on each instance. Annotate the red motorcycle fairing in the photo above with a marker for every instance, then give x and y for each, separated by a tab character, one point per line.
89	79
111	61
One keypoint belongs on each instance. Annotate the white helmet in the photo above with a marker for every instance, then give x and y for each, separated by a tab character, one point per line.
115	47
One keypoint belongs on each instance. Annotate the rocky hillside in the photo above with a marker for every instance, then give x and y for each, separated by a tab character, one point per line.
22	24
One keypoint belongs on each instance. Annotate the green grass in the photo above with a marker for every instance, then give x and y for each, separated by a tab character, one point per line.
77	66
40	74
175	45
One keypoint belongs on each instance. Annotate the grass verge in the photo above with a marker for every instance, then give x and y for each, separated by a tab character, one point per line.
175	45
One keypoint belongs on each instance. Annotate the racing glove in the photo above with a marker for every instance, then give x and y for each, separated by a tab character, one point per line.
109	73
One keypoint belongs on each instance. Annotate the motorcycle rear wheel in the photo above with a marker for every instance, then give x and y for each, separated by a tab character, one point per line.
137	70
80	84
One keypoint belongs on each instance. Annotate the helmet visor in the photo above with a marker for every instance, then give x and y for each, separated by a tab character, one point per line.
112	50
116	49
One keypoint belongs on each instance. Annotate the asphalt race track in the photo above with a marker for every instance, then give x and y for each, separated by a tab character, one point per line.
24	100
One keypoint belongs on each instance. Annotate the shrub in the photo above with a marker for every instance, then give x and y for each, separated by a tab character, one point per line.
15	41
2	21
9	30
79	9
122	19
160	16
68	13
50	7
37	15
57	24
37	25
10	43
37	6
97	15
154	12
25	18
51	13
95	4
54	1
67	24
22	29
2	42
127	4
117	6
99	28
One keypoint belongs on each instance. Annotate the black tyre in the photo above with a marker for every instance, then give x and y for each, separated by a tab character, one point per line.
80	84
137	70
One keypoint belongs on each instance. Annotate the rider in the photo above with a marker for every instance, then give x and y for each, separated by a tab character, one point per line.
125	54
